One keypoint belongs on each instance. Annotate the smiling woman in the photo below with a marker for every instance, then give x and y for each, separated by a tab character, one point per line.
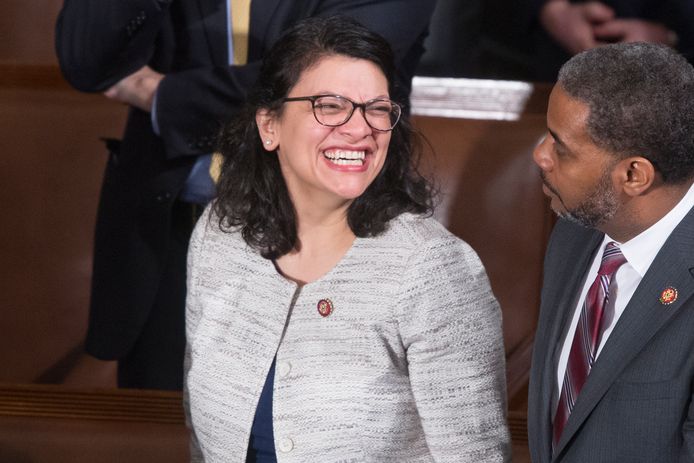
329	317
328	164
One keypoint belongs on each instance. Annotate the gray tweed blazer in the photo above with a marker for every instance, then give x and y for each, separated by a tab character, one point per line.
407	367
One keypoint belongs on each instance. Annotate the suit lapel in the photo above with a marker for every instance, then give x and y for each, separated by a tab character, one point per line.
214	20
558	310
262	12
565	309
567	303
643	317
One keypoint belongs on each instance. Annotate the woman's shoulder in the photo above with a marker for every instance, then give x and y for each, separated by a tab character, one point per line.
423	238
210	222
211	237
417	230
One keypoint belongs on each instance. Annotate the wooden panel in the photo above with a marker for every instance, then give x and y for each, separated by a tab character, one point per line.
51	163
28	31
46	401
49	424
113	426
41	77
29	440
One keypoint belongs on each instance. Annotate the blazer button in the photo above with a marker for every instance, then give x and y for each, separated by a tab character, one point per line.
286	445
284	369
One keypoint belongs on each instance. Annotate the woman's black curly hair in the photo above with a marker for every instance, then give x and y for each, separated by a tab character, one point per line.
252	194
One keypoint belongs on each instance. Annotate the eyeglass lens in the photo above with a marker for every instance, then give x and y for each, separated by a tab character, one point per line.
334	111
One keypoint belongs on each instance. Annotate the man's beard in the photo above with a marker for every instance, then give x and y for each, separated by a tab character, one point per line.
597	208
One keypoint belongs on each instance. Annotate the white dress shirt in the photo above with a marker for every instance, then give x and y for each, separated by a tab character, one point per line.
639	252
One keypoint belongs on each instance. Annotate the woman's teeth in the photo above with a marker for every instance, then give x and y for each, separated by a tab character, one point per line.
345	157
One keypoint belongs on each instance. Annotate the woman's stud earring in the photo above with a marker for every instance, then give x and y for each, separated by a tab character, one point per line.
267	142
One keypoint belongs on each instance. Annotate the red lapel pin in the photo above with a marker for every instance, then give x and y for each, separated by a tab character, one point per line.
325	307
668	296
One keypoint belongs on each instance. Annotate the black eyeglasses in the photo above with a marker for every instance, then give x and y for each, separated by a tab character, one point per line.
381	114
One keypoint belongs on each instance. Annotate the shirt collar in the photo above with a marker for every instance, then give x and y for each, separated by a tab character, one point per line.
640	251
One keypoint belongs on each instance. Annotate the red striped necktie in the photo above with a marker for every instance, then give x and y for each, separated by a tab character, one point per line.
587	337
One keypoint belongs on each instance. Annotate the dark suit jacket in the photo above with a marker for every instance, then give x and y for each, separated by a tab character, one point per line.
636	405
99	43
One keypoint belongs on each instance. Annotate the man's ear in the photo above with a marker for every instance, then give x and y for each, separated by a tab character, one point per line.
637	175
266	121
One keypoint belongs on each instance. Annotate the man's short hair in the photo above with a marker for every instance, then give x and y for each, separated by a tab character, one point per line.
641	101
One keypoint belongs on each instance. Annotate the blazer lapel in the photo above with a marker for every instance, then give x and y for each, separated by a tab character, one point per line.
214	20
643	317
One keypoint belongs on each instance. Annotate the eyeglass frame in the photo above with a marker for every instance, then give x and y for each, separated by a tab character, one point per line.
355	105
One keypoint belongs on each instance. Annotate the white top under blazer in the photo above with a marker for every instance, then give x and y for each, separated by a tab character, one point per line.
407	367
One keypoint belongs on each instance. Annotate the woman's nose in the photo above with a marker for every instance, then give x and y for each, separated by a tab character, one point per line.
357	125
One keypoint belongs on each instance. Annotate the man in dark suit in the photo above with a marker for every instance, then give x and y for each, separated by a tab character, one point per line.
613	363
170	61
